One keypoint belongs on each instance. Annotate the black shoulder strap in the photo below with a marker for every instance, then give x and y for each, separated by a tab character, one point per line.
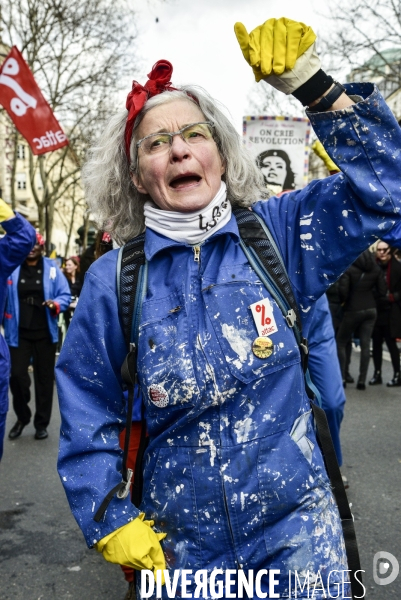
264	257
131	284
255	235
131	261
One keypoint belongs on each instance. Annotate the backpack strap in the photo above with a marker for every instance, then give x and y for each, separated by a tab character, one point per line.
130	264
131	287
265	258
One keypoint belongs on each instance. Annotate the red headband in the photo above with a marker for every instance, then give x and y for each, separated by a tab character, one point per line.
158	82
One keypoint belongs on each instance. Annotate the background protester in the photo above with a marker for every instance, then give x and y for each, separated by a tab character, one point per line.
72	273
388	323
357	289
37	292
337	313
223	417
14	247
102	244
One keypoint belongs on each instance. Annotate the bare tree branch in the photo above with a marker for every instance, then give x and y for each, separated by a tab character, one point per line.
81	54
365	38
263	99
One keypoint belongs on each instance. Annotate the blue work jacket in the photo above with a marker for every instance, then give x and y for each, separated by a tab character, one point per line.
55	287
232	473
14	248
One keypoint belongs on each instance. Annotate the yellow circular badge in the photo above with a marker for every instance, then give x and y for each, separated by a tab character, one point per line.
263	347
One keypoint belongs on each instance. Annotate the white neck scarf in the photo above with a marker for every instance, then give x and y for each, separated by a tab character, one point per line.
193	227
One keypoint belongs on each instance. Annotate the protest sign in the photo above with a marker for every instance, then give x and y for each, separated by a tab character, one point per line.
280	147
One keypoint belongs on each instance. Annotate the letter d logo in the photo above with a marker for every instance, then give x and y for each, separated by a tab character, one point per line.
381	565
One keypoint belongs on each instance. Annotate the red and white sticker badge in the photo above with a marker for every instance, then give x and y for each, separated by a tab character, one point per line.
262	312
158	395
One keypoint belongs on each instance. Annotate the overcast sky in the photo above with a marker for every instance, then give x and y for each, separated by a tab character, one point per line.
197	37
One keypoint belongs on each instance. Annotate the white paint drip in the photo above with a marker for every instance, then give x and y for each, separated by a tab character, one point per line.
238	340
242	429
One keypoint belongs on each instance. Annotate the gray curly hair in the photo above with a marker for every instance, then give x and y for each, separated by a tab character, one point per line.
116	205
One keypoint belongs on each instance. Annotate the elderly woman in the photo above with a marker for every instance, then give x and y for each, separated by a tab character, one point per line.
229	481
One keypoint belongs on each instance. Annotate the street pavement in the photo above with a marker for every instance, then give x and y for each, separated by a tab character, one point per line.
43	555
371	446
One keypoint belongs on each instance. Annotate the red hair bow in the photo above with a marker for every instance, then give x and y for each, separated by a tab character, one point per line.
40	239
158	82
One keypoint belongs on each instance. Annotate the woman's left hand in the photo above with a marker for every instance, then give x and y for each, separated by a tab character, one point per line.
135	545
280	51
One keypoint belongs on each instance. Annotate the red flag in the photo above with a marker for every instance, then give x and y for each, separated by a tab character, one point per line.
25	104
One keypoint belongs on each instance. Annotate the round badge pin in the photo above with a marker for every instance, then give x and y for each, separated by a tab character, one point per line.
263	347
158	395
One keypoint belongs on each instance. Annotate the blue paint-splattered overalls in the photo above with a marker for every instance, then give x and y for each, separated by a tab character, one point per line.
233	473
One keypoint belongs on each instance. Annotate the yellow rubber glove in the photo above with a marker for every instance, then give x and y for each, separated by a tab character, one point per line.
320	151
5	211
135	545
274	49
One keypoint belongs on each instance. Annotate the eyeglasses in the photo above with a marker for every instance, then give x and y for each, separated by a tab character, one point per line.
193	134
383	249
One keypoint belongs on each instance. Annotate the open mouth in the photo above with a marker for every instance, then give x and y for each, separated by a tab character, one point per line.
184	181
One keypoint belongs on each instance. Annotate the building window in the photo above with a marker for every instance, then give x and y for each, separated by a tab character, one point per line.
21	151
21	181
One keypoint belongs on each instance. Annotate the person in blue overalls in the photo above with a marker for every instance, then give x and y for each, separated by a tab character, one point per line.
14	247
233	475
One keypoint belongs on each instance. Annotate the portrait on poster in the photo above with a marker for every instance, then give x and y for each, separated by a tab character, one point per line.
280	147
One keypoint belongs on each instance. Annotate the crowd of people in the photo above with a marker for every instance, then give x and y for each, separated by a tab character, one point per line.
365	304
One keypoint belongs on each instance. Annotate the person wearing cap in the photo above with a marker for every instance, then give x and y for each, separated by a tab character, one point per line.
37	292
14	247
233	475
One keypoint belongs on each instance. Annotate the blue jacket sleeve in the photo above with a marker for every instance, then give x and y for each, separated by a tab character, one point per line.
62	291
92	405
393	237
16	244
320	327
323	228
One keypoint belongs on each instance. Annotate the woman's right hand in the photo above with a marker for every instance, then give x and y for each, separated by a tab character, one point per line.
135	545
280	51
